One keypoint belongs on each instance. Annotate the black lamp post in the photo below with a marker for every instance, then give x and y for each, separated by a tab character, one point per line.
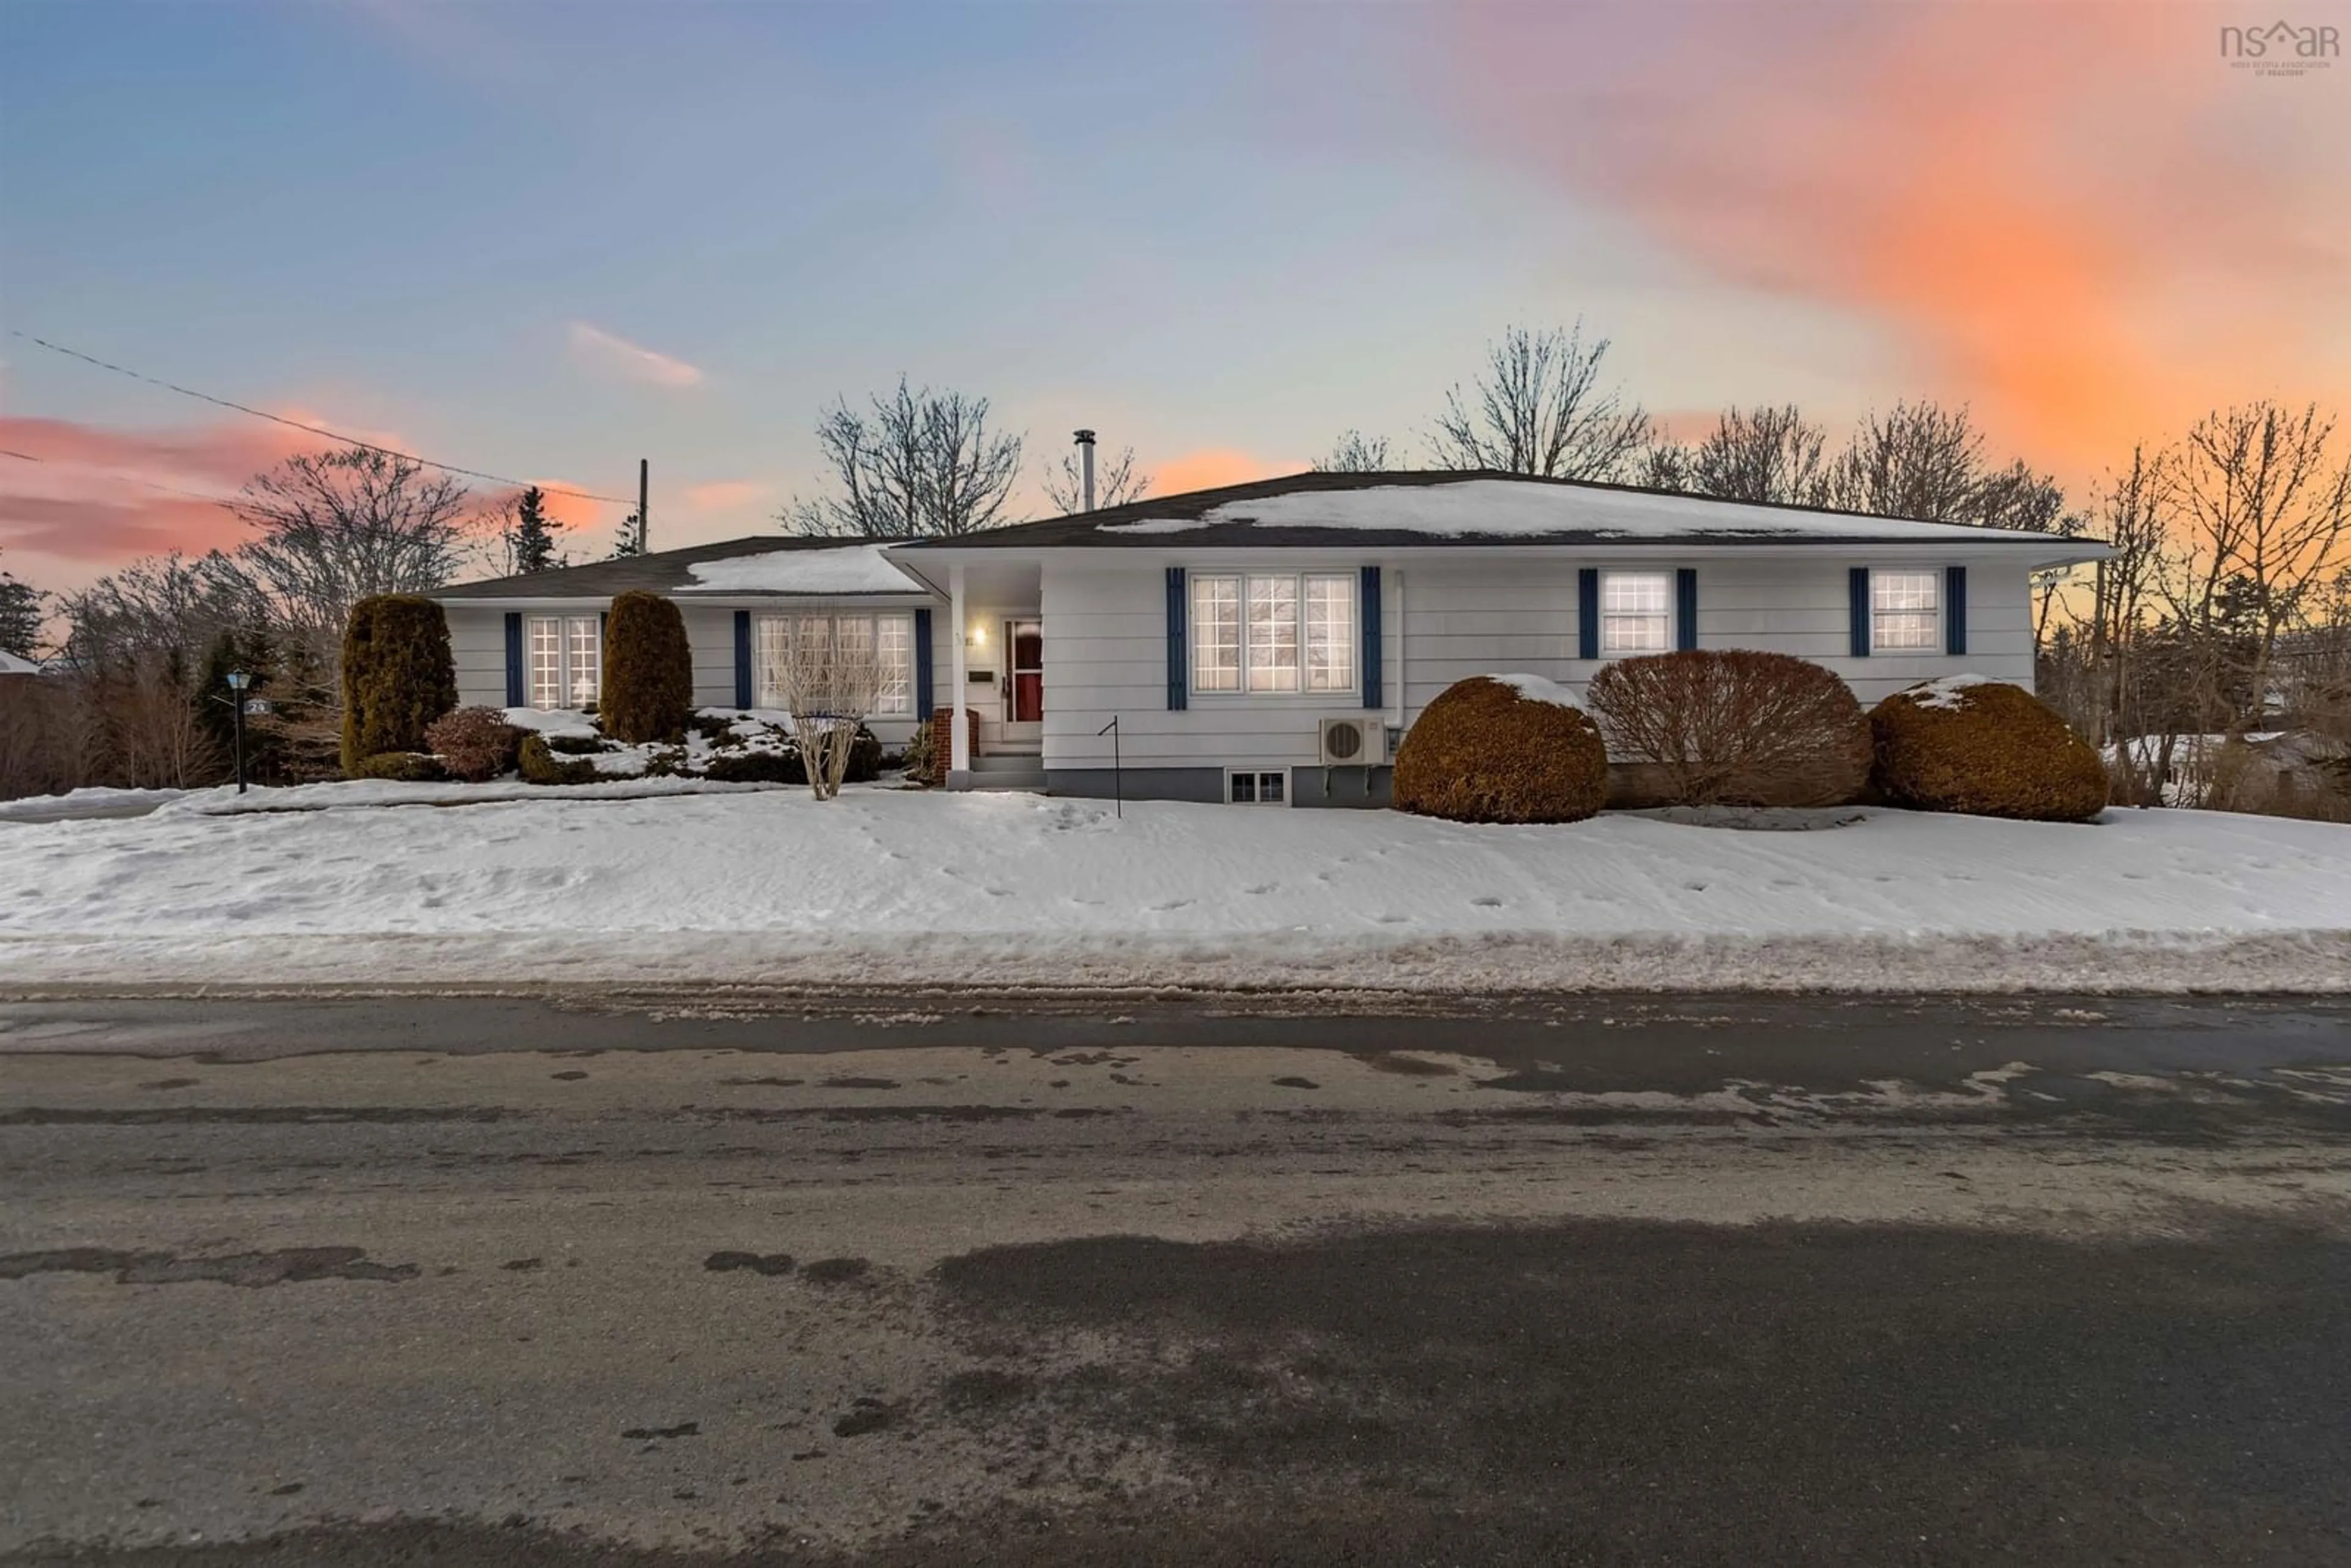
237	681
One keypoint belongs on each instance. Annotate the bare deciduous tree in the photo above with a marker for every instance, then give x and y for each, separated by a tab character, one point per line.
331	528
1758	454
2265	508
1918	460
923	464
1355	453
1538	407
1115	482
827	673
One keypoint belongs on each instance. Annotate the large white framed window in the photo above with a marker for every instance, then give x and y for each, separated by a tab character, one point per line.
1637	612
1273	632
890	634
1906	612
567	659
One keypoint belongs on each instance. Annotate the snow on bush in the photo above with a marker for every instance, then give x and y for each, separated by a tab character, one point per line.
1736	728
1986	748
1485	752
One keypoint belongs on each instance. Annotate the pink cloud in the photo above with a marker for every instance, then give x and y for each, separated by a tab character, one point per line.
1211	467
2083	222
720	495
611	354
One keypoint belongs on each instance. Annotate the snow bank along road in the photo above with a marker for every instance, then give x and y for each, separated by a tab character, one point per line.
885	887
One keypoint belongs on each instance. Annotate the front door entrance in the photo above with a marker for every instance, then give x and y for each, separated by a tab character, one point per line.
1024	647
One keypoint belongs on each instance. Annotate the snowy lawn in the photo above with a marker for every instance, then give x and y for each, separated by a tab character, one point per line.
885	886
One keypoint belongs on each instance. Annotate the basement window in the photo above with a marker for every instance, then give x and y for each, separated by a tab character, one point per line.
1256	787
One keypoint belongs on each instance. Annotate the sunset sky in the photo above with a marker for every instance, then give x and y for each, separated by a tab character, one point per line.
545	239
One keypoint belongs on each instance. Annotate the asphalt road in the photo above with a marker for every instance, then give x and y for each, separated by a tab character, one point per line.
1677	1280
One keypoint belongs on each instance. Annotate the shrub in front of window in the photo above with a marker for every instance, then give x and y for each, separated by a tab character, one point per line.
398	675
403	766
648	691
538	764
1734	728
1483	753
1984	748
475	744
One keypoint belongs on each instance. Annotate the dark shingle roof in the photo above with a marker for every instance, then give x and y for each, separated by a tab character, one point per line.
1702	518
662	572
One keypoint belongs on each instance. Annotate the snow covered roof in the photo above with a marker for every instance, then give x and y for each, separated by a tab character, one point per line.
845	568
762	564
10	665
1403	510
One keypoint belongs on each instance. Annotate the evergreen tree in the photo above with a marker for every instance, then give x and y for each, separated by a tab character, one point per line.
20	616
632	540
530	533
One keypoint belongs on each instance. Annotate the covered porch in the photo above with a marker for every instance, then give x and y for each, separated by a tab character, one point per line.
995	664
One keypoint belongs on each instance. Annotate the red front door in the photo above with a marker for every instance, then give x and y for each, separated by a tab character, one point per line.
1027	645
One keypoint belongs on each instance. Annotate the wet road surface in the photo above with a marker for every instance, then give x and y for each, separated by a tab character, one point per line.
1696	1279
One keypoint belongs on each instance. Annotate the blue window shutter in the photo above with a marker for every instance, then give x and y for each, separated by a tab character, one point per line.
1686	608
515	694
924	701
1178	694
1857	582
1369	620
1955	610
1587	612
742	658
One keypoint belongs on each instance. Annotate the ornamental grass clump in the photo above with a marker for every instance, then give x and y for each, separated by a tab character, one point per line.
1502	750
397	678
1735	728
648	690
1986	748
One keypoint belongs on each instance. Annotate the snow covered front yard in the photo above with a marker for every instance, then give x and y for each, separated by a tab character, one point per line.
885	886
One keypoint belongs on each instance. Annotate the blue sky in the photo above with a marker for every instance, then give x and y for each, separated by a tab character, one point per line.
1222	232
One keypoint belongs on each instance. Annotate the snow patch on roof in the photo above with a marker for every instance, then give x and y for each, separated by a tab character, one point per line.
1946	691
11	664
1507	507
1157	525
1535	689
849	568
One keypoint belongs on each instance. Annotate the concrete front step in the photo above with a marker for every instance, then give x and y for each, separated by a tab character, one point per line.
1009	762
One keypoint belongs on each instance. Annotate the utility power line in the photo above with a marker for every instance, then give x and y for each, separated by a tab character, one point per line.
297	425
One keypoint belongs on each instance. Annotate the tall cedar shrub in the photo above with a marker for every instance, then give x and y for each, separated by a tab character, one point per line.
648	671
1483	753
398	675
1988	750
1735	728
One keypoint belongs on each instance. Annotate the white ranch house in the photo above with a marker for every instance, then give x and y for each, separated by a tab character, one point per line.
1269	643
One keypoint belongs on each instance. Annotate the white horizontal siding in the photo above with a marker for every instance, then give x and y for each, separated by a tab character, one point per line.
1106	650
477	645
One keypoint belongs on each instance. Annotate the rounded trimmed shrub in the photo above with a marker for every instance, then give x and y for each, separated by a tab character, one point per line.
1985	749
648	692
1485	752
397	678
475	744
1734	726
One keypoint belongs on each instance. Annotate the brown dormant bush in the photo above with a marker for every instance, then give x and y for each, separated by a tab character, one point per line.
1985	749
1484	753
1735	728
473	743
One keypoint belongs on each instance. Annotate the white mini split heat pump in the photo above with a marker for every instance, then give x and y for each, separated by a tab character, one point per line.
1353	742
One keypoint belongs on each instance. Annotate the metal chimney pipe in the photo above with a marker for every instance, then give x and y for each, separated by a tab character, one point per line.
1086	441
